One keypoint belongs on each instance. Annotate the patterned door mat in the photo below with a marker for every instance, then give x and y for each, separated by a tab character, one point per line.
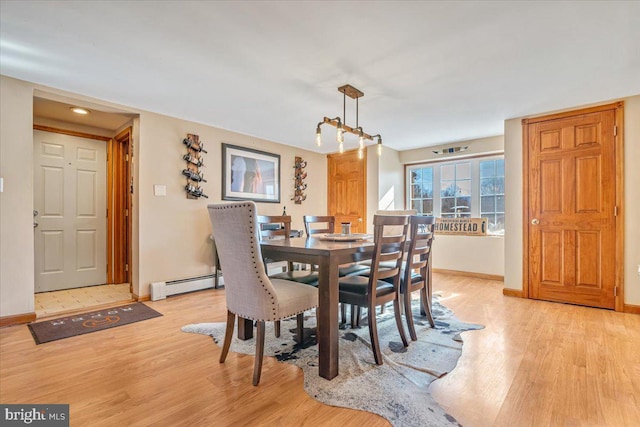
79	324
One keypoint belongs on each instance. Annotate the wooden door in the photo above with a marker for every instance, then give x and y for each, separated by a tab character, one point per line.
347	189
70	211
571	208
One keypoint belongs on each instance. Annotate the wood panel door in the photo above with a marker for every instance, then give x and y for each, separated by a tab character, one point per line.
70	204
571	208
347	189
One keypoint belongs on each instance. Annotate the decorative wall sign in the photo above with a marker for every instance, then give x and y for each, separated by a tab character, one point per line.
299	177
194	161
462	226
249	174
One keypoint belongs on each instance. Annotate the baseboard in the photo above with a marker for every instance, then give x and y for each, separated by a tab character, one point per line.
17	319
142	298
630	308
512	293
469	274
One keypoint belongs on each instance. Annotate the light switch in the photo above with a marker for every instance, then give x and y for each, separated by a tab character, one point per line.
159	190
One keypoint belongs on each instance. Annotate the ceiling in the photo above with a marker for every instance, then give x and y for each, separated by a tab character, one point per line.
60	111
432	72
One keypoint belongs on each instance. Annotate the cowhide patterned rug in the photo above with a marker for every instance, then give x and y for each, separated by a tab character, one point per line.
396	390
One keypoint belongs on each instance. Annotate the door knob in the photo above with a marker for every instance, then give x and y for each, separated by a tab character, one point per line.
535	221
35	213
35	224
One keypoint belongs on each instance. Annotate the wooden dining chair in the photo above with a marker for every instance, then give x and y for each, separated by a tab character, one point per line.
418	258
249	292
328	224
374	290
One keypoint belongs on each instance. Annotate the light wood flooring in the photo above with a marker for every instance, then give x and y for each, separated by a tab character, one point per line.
535	364
72	300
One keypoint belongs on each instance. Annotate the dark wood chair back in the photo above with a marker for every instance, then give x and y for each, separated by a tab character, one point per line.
272	226
389	248
418	258
328	220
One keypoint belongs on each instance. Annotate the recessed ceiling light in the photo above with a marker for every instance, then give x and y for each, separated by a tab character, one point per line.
79	110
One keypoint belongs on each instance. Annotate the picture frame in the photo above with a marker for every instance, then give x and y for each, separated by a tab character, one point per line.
249	174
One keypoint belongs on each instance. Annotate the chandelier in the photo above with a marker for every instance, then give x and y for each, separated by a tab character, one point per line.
338	122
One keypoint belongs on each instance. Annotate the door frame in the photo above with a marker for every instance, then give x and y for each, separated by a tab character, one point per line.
110	191
618	108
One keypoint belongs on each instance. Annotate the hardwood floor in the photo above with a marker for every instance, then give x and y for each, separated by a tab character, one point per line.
535	363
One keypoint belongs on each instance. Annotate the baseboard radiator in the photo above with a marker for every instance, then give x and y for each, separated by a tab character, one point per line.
161	290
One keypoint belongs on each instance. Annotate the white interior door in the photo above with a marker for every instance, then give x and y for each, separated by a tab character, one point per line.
70	202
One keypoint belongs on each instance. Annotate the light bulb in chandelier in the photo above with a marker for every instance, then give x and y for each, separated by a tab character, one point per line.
318	136
361	139
361	153
341	147
340	134
379	145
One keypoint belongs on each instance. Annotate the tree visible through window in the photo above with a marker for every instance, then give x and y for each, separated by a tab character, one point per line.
492	194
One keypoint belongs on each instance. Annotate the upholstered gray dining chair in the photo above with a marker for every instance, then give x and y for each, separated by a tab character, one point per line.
250	294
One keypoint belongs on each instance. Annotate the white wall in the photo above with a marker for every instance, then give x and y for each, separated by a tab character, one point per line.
16	200
385	182
514	202
170	234
473	254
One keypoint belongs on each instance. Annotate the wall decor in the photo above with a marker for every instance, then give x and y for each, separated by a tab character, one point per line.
192	172
299	177
249	174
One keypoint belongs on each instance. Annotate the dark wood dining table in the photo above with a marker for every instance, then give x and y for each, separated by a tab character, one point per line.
327	255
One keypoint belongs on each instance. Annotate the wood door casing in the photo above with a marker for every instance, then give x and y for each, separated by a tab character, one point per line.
571	225
347	189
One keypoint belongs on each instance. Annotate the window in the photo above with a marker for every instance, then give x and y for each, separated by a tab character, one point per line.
465	188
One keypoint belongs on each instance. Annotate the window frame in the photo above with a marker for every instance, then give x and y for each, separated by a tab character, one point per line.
474	161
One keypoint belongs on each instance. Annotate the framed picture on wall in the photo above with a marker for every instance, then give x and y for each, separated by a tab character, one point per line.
249	174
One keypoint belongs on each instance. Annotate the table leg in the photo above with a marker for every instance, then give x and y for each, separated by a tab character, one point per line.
328	318
245	329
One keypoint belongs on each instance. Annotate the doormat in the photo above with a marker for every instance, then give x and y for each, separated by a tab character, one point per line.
84	323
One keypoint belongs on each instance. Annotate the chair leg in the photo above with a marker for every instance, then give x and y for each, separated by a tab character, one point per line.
358	316
396	309
276	328
257	368
408	313
300	328
426	304
373	334
228	334
343	312
354	315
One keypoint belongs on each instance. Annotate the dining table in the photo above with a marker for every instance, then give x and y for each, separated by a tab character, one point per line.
327	255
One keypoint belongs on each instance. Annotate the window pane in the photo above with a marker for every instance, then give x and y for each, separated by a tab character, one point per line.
415	204
463	170
463	204
427	175
447	172
427	207
498	227
486	186
448	189
448	216
499	185
500	167
487	204
416	191
447	205
427	190
464	188
416	175
500	204
487	168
